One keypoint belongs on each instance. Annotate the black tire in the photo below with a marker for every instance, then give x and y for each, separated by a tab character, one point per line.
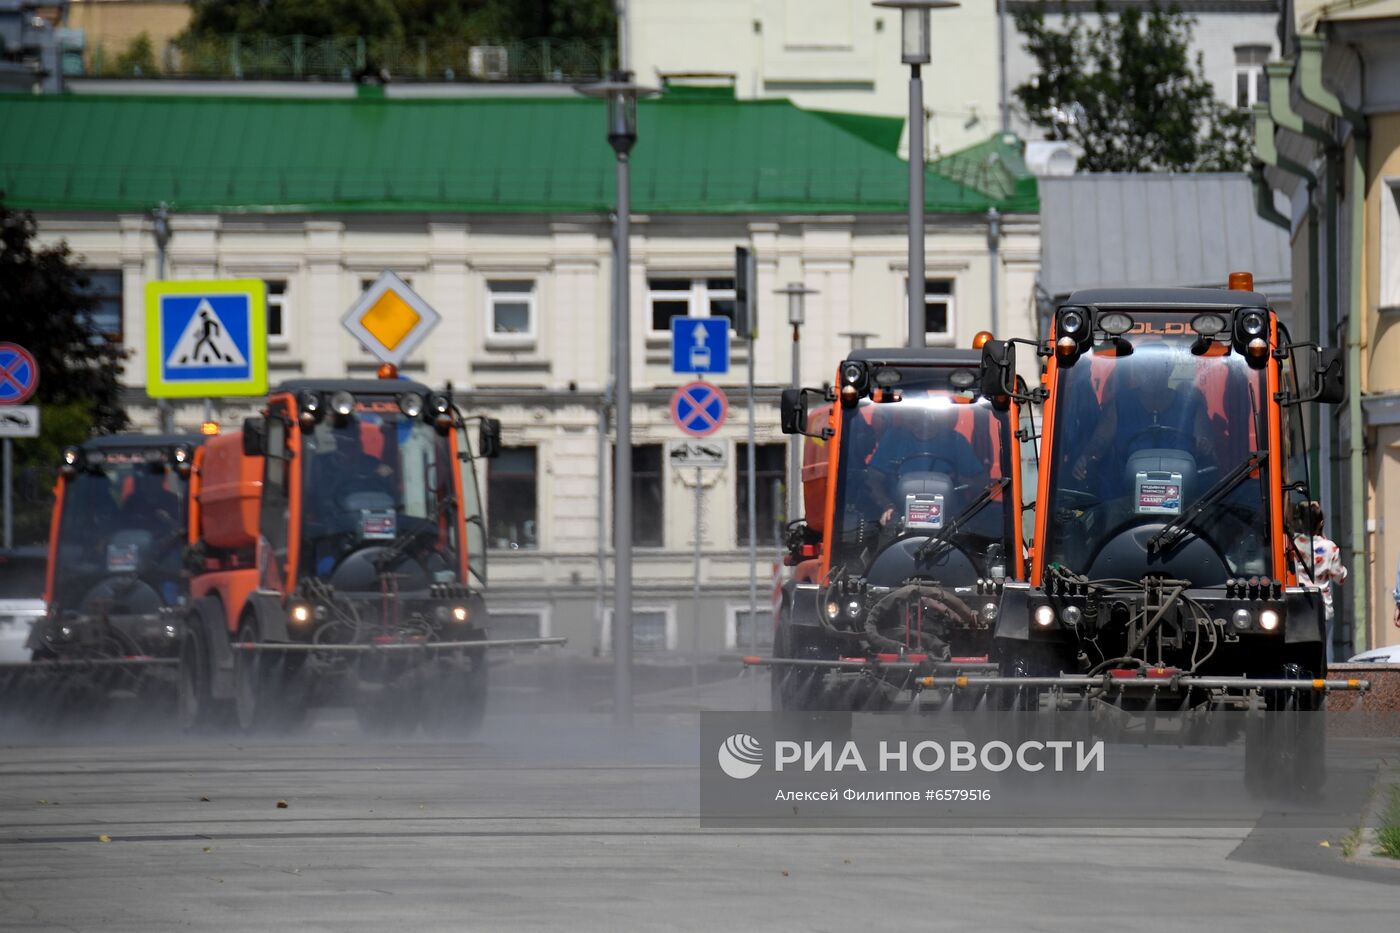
269	686
195	710
792	689
454	696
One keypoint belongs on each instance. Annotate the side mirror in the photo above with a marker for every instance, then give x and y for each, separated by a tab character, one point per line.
254	437
998	376
793	411
488	441
794	415
1329	379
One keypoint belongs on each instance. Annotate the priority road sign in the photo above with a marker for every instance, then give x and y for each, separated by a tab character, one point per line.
206	338
19	374
390	319
700	345
699	408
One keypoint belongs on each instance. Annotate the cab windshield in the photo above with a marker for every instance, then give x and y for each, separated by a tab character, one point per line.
1143	429
125	517
375	478
915	466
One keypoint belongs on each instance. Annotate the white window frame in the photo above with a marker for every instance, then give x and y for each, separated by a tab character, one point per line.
668	610
1253	72
530	299
731	625
937	338
697	297
1389	271
282	341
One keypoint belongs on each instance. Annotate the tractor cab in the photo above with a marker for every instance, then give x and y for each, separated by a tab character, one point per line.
116	547
1173	458
366	490
912	484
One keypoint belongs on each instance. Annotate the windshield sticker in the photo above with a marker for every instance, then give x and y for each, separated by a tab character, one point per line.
122	558
378	524
1159	494
923	511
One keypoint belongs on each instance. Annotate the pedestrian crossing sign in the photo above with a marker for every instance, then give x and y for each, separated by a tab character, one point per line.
206	338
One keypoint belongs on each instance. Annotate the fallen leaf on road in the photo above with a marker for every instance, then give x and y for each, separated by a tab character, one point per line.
208	849
281	804
785	874
1325	844
203	798
104	838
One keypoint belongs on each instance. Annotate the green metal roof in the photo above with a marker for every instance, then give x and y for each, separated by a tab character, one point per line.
696	154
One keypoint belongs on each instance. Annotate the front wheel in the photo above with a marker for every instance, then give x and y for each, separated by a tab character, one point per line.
454	696
196	709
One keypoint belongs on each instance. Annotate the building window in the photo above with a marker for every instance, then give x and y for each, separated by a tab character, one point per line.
519	623
648	496
675	296
770	506
939	317
1251	85
938	307
277	331
511	500
653	630
105	288
510	309
740	627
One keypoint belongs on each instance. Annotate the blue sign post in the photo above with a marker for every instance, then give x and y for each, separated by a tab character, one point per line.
700	345
206	338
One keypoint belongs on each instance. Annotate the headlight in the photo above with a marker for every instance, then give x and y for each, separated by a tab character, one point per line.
342	403
308	401
1071	615
1241	619
1071	322
1115	323
181	454
1208	325
1268	620
438	405
72	461
989	612
1253	323
1044	616
411	404
300	613
460	613
853	608
833	610
851	373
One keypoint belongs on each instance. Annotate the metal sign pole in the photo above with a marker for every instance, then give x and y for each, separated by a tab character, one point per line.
753	508
695	589
9	496
622	472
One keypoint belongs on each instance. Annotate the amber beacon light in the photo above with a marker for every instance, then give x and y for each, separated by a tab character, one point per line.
1241	281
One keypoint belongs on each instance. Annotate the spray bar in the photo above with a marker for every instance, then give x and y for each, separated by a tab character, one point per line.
400	646
84	663
941	667
1108	682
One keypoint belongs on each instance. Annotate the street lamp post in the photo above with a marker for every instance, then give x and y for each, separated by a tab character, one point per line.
621	96
914	41
797	312
160	228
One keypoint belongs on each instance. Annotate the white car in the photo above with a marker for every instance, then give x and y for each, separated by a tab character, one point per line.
21	600
1390	654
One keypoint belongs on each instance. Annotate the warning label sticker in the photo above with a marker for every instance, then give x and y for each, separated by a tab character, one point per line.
923	511
1159	496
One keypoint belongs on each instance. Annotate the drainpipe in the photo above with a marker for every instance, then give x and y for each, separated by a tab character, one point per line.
1310	49
1280	76
1264	198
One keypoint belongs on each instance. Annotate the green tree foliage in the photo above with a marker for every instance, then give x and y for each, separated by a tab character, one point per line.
397	19
1125	87
138	59
45	307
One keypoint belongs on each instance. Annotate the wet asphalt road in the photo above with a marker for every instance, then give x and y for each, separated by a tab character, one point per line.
549	819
